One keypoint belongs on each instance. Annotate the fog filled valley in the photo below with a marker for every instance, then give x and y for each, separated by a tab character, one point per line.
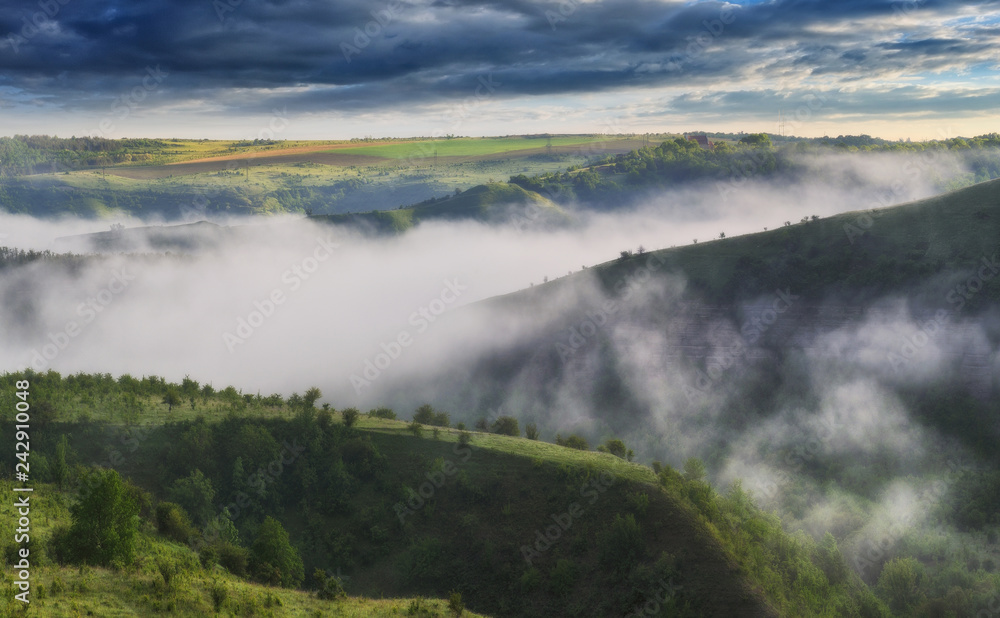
774	392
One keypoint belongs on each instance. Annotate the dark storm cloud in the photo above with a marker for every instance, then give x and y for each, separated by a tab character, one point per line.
316	55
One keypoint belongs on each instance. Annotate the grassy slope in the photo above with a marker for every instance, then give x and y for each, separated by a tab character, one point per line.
481	203
525	481
892	248
139	590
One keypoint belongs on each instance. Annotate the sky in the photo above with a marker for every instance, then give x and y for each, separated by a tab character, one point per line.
296	69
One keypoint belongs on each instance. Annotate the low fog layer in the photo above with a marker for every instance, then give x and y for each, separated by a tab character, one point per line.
171	317
285	304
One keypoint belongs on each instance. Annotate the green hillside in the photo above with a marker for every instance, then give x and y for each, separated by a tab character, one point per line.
495	202
517	527
857	254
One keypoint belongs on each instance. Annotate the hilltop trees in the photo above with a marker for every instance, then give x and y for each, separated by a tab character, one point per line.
506	426
617	448
757	140
425	415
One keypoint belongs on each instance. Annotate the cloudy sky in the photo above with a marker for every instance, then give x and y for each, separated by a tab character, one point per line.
349	68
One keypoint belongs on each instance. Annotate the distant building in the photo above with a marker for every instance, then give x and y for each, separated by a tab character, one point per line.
702	140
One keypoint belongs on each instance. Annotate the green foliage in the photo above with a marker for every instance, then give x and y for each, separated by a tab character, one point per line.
617	448
219	593
385	413
694	470
757	140
195	494
455	604
167	569
415	428
172	398
900	583
310	397
426	415
274	559
328	588
173	522
574	441
621	545
506	426
531	579
105	520
531	431
58	467
562	577
351	416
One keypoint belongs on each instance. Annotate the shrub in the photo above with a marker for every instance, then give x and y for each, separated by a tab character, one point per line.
574	441
617	448
172	522
506	426
530	579
350	416
219	592
531	431
455	604
424	415
232	557
385	413
464	438
562	577
621	545
167	570
416	428
694	470
328	588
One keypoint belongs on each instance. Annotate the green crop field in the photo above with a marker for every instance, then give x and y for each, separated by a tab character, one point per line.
473	147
